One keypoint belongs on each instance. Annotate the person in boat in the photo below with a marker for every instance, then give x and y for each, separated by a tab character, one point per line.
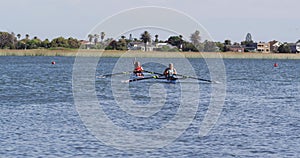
138	69
170	72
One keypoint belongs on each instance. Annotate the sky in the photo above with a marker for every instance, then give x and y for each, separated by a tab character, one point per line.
266	20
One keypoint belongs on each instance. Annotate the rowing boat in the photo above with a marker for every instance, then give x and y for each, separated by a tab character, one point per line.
134	77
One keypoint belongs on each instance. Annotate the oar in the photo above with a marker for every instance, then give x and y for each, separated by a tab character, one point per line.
151	72
142	78
156	73
196	78
119	73
184	76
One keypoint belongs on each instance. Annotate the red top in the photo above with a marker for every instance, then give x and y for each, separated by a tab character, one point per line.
138	69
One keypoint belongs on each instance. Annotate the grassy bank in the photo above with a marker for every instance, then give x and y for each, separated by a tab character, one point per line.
97	53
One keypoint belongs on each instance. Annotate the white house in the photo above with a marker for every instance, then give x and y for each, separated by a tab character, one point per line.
298	47
150	46
140	46
274	45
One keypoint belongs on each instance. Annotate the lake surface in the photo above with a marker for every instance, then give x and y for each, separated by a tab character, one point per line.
39	117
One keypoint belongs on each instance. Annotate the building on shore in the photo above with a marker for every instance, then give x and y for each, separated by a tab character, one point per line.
236	48
251	47
274	45
150	46
86	44
293	47
263	47
298	47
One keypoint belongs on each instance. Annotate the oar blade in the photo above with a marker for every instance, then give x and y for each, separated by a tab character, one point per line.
142	78
196	78
109	75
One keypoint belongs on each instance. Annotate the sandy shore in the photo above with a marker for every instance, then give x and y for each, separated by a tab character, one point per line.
99	53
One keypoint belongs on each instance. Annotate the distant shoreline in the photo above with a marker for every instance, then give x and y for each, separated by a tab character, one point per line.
139	54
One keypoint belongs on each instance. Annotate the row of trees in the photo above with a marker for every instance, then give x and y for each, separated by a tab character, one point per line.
12	41
95	38
98	41
177	41
283	48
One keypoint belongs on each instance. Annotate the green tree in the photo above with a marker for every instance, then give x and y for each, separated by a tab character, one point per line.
14	40
146	37
112	45
210	46
221	46
107	41
34	43
188	46
284	48
122	44
46	44
195	38
59	42
7	40
247	43
20	44
227	42
102	35
156	38
26	40
73	43
175	41
96	38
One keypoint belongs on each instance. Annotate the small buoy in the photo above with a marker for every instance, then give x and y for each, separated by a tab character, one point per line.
275	65
53	62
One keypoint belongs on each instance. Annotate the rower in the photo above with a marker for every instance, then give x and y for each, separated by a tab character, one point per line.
138	69
170	72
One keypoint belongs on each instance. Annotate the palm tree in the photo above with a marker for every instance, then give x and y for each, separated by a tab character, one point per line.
180	36
27	36
156	38
96	37
145	37
122	43
90	36
181	42
102	36
130	37
19	36
13	39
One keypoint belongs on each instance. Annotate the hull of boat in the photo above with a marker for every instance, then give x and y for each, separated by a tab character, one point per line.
150	77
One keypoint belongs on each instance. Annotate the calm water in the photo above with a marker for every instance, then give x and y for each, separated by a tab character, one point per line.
38	117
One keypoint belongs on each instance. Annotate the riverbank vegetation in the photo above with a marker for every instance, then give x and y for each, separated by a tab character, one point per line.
140	54
146	42
12	41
